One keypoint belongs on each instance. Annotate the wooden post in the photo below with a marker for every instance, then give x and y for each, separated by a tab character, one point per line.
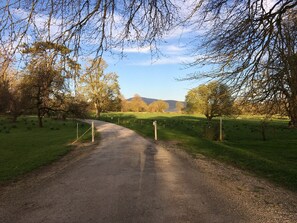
221	129
156	133
93	132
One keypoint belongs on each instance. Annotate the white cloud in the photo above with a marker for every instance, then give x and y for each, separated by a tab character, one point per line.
173	49
164	61
142	50
178	33
145	49
164	49
40	21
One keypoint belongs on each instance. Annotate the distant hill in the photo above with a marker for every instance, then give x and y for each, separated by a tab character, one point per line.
170	102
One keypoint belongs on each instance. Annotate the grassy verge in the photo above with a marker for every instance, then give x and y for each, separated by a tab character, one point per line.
274	159
24	146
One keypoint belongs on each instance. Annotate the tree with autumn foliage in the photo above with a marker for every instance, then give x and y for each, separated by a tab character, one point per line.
4	82
179	106
158	106
44	83
212	100
100	88
136	104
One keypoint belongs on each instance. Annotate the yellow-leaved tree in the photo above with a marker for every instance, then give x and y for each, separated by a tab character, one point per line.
100	88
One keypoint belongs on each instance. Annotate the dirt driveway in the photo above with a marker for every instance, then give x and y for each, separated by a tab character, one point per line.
130	179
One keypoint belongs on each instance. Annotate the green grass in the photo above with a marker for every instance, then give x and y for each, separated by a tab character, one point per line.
24	146
274	159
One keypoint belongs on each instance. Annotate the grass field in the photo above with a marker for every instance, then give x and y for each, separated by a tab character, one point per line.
24	146
243	145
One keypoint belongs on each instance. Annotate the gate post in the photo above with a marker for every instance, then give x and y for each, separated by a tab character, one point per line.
93	132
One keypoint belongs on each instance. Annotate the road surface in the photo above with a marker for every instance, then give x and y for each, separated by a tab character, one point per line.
125	179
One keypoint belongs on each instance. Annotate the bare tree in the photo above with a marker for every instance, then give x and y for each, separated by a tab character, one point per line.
104	23
252	45
5	66
7	78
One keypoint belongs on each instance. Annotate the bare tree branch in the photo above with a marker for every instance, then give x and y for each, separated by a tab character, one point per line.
103	24
253	47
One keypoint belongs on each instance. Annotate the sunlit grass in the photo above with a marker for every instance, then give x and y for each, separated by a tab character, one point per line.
243	146
24	146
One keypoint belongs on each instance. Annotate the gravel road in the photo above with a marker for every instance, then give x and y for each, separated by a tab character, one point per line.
129	179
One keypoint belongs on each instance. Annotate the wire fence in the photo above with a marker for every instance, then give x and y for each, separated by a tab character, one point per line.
92	128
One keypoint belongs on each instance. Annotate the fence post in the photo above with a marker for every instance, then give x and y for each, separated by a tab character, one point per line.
156	133
93	132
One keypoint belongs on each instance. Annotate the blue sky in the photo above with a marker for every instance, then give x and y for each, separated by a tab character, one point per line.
140	73
151	80
156	78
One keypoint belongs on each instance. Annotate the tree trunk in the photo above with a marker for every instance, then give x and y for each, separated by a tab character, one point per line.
293	113
263	128
208	117
15	111
14	117
292	70
97	109
40	124
293	119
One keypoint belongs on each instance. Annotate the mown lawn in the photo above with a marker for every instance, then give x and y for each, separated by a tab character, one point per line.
243	145
24	146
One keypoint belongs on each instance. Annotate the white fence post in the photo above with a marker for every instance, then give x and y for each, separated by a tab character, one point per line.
156	133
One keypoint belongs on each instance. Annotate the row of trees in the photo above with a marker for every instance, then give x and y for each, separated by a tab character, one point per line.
53	84
43	87
215	99
252	44
137	104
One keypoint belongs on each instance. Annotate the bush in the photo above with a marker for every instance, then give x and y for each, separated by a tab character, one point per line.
77	109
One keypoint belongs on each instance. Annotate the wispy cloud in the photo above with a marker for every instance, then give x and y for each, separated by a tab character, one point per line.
164	61
146	49
173	49
165	49
178	33
40	22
